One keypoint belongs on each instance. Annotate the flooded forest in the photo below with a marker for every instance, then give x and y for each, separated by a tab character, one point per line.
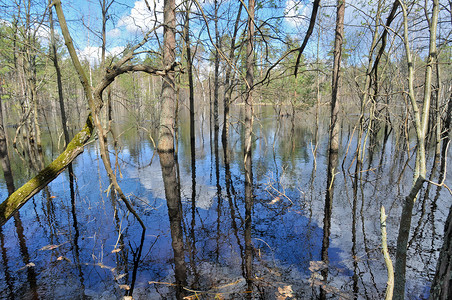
218	149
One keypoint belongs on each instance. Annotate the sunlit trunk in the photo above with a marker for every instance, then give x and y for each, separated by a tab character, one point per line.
337	53
168	98
421	125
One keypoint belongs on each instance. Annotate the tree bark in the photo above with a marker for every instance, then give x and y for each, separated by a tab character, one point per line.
168	112
171	184
54	56
4	157
228	86
191	95
442	283
249	81
216	72
338	41
248	145
388	261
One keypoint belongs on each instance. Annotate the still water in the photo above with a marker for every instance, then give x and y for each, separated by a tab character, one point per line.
74	240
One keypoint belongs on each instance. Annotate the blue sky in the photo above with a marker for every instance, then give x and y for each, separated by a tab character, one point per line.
129	19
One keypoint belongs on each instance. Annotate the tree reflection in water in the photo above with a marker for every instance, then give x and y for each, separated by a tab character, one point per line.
169	166
210	232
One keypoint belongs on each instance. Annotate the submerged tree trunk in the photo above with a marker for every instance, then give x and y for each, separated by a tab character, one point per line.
173	200
442	283
333	140
328	211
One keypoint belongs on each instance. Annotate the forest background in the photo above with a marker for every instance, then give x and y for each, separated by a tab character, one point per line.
389	63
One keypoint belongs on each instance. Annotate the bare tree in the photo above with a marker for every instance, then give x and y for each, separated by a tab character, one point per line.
420	125
248	143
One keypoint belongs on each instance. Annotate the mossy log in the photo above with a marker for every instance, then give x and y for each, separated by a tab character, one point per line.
17	199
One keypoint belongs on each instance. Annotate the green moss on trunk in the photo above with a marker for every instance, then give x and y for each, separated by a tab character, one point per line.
17	199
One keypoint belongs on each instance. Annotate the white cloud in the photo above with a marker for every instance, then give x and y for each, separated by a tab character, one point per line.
114	33
297	12
43	34
116	51
141	19
93	53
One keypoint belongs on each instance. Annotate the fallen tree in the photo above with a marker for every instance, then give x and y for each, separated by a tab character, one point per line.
17	199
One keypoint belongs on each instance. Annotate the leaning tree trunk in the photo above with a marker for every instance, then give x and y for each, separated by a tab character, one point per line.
17	199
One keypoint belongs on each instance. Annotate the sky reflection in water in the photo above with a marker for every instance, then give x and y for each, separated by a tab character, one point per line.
71	250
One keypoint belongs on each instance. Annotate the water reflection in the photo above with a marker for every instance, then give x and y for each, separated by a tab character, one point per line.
214	232
170	172
249	203
328	210
75	241
32	291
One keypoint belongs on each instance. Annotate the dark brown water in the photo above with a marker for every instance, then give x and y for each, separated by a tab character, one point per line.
74	240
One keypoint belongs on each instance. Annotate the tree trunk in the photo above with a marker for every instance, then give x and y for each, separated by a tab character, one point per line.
421	122
191	95
216	72
338	41
442	283
248	143
54	56
168	164
4	157
228	86
168	112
